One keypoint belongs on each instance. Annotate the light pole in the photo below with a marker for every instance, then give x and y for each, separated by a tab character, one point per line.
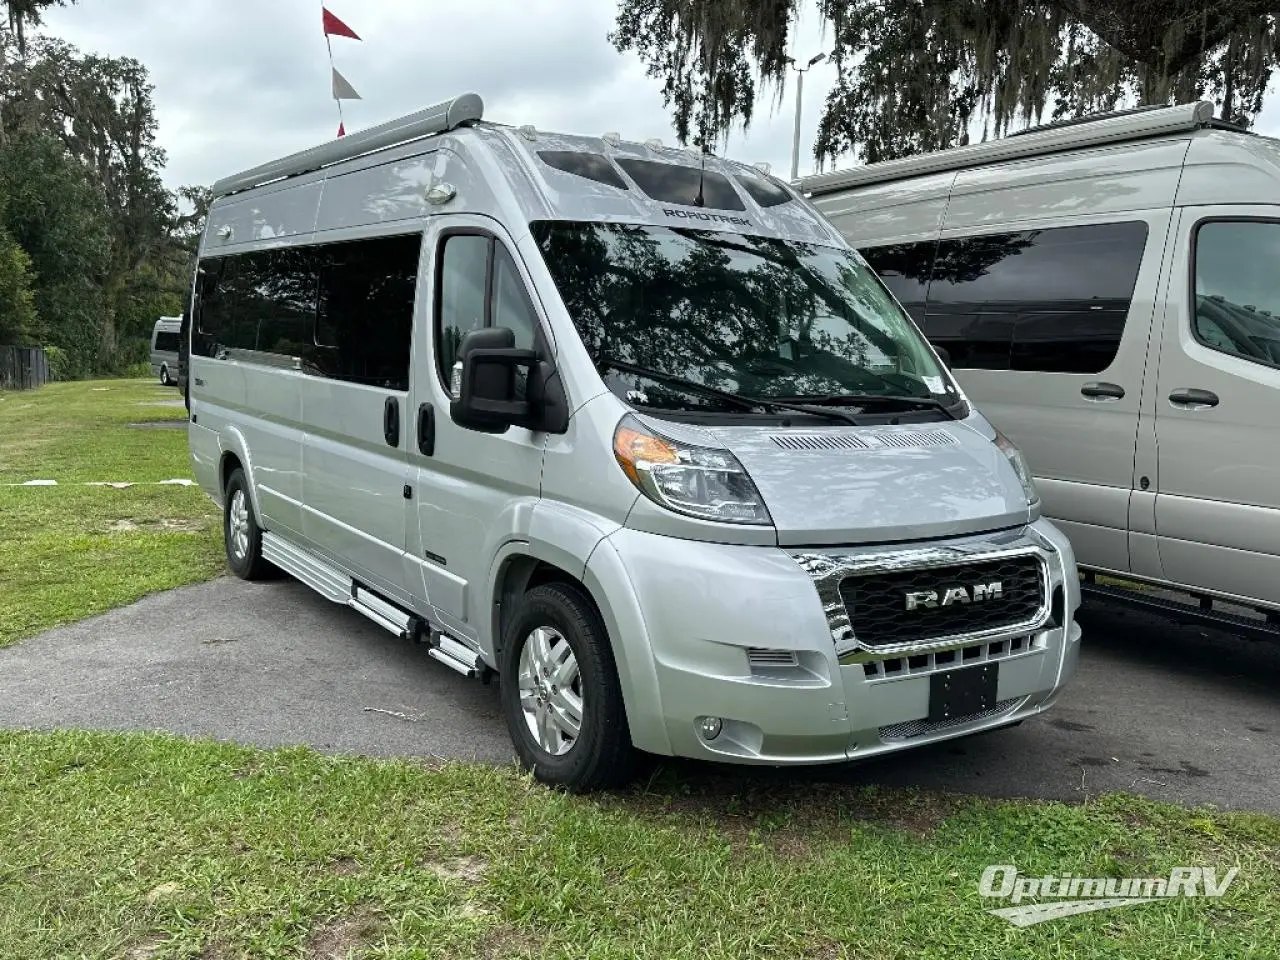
795	139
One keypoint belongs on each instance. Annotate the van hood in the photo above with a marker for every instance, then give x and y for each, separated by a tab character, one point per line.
849	485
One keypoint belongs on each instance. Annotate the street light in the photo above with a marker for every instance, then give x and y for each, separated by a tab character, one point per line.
795	139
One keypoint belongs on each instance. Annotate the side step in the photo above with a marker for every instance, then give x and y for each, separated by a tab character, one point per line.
1255	629
334	585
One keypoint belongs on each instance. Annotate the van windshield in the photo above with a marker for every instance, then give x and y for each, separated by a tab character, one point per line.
761	317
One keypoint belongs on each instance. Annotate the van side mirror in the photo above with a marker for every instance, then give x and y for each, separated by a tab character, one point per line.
489	399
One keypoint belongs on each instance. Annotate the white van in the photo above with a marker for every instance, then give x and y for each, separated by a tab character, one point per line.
632	429
1108	292
165	339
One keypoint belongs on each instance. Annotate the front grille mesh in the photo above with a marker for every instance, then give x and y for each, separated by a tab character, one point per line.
920	728
876	602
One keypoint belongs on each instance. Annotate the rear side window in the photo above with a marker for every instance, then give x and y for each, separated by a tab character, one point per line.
762	190
364	318
1053	301
167	341
1237	289
904	268
674	183
593	166
221	325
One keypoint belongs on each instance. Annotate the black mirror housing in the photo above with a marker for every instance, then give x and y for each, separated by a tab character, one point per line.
487	399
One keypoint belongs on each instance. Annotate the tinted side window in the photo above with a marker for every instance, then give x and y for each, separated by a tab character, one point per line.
167	341
1047	300
464	275
220	326
480	286
364	319
1238	289
904	268
282	299
593	166
763	190
676	183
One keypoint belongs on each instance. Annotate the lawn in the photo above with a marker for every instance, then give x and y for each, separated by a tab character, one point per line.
70	550
145	846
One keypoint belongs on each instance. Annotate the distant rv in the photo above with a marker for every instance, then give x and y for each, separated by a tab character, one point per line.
165	338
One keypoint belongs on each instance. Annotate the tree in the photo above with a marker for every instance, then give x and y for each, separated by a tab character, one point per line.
916	75
19	322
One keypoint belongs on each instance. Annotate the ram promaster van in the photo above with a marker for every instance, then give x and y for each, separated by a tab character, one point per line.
1108	292
165	340
631	429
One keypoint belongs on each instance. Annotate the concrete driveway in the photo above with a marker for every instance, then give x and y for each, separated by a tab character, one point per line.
1177	713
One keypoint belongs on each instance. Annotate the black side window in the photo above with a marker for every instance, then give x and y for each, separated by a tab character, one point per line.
220	325
364	318
1237	307
676	183
167	341
480	286
593	166
905	269
1052	300
282	299
763	190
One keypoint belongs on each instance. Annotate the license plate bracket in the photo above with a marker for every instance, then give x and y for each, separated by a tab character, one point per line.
963	692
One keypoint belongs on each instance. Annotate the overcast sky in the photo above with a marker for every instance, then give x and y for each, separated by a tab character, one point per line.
239	82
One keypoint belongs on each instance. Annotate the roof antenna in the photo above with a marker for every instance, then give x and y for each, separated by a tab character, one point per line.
699	200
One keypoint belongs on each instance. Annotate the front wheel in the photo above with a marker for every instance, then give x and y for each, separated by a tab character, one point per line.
164	376
560	692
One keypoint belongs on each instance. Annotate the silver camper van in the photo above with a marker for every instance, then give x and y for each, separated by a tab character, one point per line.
1107	291
629	428
165	338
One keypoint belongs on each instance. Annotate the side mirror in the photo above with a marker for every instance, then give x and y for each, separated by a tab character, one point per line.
488	399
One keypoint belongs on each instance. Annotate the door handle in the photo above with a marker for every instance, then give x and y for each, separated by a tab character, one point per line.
1193	398
427	430
391	422
1102	391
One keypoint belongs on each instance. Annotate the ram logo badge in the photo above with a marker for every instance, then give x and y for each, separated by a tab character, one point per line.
950	596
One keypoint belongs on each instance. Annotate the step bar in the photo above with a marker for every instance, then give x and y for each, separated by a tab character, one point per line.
336	586
1203	614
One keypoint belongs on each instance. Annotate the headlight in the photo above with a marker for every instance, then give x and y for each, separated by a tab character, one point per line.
697	481
1020	467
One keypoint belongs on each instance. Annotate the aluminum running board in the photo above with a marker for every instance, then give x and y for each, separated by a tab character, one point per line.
1254	629
332	584
328	581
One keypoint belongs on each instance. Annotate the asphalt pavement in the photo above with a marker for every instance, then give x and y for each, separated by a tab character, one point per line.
1179	713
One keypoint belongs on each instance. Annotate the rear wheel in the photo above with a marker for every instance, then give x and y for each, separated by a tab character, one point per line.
164	375
241	532
560	692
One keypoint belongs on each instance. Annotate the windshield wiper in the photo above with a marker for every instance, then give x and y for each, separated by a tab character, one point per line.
857	400
737	399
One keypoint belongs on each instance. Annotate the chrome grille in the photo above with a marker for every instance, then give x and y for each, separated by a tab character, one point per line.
878	614
911	665
921	728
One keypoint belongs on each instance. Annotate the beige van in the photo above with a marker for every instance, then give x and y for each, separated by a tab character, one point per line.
1108	293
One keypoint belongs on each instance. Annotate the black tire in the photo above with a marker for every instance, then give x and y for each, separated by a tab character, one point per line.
246	563
601	756
164	376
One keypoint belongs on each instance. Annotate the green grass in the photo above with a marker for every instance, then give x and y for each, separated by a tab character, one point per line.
70	551
146	846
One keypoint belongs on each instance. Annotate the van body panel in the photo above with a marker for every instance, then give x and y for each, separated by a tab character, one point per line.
1218	492
164	348
1227	168
948	480
353	485
1091	183
274	433
388	193
279	212
906	209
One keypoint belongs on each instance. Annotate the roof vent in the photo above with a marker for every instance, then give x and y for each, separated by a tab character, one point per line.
612	138
528	131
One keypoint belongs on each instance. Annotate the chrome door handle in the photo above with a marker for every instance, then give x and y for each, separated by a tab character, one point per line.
1193	399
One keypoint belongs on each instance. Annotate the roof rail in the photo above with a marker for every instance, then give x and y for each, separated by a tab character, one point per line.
444	116
1052	138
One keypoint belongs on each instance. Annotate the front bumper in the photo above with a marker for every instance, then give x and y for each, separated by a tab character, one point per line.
752	636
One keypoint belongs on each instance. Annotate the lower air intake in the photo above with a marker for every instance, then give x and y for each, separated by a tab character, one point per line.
922	728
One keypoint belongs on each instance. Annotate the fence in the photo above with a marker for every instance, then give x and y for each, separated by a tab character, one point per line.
23	368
